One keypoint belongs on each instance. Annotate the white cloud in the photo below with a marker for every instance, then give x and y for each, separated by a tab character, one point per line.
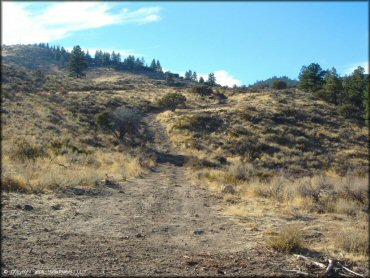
62	19
352	67
223	78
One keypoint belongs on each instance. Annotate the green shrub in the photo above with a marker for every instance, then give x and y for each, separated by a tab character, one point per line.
123	122
279	85
172	100
202	90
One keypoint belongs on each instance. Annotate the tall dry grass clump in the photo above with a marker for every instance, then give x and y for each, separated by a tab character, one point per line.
290	238
25	170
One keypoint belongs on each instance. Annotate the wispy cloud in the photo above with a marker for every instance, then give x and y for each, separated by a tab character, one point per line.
60	20
349	69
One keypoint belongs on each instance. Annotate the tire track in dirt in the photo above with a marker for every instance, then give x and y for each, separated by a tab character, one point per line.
160	224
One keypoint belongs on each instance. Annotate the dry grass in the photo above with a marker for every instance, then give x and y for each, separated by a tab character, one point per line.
289	239
320	194
355	242
67	170
263	128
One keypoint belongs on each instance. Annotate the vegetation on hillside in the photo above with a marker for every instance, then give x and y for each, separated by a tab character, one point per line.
348	93
270	81
297	149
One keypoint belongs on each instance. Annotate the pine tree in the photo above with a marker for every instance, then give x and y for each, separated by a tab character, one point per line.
194	77
106	59
138	63
188	75
201	80
354	87
129	62
367	106
77	63
116	58
57	53
211	79
88	58
332	86
98	57
158	66
153	65
311	78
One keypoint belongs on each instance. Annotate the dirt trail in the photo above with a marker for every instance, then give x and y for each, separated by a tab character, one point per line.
160	224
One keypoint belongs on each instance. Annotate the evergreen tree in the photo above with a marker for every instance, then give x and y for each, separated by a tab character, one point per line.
211	79
77	63
153	65
194	77
63	57
188	75
57	53
367	106
354	88
129	62
332	87
311	78
116	58
106	59
88	58
98	58
201	80
142	61
158	66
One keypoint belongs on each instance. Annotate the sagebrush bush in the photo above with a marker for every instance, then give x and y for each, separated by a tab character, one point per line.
201	122
354	189
274	189
24	150
242	171
348	110
202	90
172	100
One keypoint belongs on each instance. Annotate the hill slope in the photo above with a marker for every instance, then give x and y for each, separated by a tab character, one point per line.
218	179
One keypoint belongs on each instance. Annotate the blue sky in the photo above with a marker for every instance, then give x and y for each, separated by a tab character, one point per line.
240	41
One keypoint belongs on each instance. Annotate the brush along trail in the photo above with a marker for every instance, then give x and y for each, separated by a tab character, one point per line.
157	224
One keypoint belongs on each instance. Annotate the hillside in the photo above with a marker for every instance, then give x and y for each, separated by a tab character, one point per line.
229	182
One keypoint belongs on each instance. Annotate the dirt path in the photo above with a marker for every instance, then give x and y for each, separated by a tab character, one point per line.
160	224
